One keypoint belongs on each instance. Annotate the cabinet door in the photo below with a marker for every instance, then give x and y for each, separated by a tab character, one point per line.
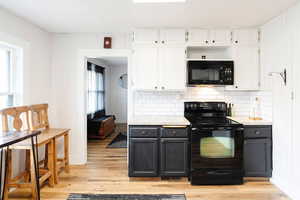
172	36
174	157
143	157
220	37
258	158
198	36
246	67
145	70
172	67
146	36
245	37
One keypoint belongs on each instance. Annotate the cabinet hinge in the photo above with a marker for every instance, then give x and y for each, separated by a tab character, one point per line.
186	36
259	35
292	96
231	35
133	37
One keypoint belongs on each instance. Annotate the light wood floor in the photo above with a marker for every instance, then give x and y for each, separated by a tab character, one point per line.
106	173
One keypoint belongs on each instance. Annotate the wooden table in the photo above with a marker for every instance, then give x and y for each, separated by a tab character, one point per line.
10	138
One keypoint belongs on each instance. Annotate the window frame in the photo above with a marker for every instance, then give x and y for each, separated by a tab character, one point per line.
91	69
11	93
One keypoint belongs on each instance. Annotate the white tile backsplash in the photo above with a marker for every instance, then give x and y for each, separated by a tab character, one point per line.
172	103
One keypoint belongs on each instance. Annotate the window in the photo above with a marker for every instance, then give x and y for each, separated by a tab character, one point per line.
96	88
6	78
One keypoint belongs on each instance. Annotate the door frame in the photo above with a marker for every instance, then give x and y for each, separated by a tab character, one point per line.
83	55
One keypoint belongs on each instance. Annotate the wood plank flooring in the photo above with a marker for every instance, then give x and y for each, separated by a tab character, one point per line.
106	173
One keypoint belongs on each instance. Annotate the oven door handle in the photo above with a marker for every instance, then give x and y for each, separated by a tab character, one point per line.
219	173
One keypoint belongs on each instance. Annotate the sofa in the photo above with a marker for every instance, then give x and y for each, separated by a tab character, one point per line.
100	125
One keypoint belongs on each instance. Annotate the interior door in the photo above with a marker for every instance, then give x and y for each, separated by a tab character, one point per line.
172	67
282	102
145	59
294	24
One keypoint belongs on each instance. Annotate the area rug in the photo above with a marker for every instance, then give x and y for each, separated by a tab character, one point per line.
120	141
125	197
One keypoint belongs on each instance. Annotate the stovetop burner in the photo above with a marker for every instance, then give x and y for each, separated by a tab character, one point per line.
212	122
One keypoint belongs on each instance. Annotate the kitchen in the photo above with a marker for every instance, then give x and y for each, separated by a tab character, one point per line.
212	103
215	61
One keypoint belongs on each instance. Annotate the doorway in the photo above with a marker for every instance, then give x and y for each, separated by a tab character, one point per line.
107	104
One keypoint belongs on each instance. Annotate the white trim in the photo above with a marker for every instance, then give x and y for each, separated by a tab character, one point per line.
83	54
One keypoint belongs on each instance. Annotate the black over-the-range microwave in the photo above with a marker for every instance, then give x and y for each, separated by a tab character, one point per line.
207	72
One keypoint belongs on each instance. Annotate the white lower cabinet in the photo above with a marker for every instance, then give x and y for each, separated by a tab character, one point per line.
246	68
159	67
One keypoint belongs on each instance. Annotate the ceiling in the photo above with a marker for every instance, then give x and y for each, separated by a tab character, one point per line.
70	16
114	61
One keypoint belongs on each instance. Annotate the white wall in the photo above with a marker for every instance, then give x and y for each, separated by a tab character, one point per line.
118	95
37	55
66	82
281	45
35	44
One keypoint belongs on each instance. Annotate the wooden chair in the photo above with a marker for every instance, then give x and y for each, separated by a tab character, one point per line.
39	120
26	179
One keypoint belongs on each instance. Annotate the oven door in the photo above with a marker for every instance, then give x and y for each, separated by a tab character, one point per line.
210	73
217	148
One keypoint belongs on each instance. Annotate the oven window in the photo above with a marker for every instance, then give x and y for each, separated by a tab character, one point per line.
205	74
217	147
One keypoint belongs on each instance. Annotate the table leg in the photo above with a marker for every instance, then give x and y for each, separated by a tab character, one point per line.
36	164
1	163
5	171
66	148
55	162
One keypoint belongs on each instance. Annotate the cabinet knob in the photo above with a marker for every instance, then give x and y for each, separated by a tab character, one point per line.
156	42
236	87
163	42
206	42
236	41
163	88
155	87
213	41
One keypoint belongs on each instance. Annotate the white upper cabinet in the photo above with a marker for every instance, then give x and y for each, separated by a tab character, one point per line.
245	36
173	36
246	68
220	37
159	65
146	36
172	67
204	37
198	36
145	63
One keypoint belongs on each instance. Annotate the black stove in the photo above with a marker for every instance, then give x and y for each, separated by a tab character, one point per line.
216	144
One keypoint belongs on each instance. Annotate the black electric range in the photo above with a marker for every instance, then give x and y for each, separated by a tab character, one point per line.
216	145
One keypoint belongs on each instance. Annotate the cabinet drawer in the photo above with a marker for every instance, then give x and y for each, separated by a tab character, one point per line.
258	132
174	132
144	132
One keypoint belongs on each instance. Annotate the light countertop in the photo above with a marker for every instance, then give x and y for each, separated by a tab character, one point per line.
247	121
158	120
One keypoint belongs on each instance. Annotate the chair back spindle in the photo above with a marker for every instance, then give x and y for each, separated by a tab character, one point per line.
39	116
